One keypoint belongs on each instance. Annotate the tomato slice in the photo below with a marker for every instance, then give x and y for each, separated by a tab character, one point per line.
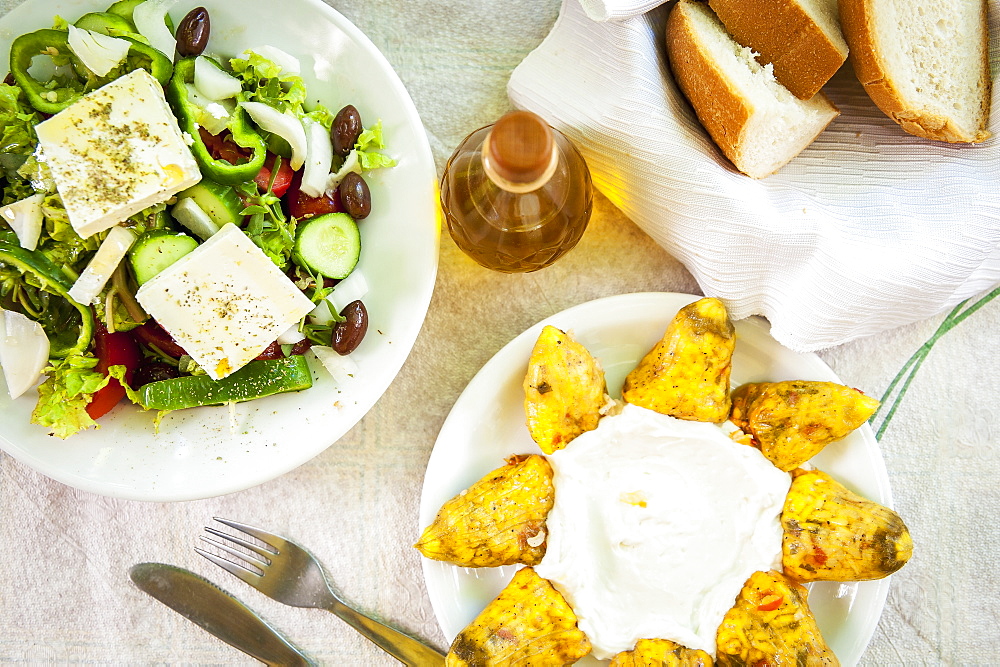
282	180
112	349
299	205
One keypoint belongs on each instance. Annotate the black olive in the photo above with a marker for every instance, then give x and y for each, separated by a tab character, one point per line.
193	32
355	196
345	130
347	334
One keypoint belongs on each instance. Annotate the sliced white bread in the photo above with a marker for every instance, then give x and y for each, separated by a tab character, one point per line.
924	63
800	38
756	122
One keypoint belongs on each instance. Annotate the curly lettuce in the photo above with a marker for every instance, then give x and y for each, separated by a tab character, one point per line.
65	394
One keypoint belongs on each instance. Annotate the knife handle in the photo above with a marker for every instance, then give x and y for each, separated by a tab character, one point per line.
403	647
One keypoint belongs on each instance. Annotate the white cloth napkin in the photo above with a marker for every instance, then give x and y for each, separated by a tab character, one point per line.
869	228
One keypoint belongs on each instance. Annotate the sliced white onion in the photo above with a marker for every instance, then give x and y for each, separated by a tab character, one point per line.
286	125
213	82
105	261
149	20
351	288
188	213
213	116
288	64
321	313
351	164
342	368
100	53
292	336
25	218
24	351
319	158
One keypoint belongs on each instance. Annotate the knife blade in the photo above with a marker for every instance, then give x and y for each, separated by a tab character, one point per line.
215	611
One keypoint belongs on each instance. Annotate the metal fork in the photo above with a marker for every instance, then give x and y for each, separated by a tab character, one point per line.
292	575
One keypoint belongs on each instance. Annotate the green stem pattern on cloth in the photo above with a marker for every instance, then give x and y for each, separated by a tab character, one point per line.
912	365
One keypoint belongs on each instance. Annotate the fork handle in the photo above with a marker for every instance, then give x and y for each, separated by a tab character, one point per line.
401	646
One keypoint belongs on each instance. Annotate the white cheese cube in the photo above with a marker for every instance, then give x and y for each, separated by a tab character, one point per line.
224	302
115	152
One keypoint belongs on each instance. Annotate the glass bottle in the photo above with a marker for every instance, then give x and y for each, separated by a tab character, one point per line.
517	194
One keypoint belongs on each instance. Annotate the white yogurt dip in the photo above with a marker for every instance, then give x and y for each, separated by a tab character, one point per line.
656	526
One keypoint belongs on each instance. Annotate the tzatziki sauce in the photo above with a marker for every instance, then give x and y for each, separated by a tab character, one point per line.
657	524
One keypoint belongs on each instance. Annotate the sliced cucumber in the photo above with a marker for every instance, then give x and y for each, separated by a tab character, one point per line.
329	245
156	250
220	202
187	212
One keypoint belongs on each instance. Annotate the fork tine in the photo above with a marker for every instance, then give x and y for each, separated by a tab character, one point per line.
266	554
262	535
243	573
243	557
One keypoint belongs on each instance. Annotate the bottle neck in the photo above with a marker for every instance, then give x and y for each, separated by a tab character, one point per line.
516	187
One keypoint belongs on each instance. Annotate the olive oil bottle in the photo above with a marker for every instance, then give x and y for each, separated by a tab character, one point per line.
517	195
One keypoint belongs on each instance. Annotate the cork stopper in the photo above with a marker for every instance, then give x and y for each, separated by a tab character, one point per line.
521	148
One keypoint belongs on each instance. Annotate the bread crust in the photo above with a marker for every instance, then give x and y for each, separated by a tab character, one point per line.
804	56
857	22
719	107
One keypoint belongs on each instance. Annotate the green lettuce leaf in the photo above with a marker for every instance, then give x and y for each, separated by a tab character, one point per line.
65	394
60	242
369	142
263	81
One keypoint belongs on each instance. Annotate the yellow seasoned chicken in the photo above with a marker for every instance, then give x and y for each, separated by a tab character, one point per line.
771	624
528	624
499	520
686	375
564	390
792	421
661	653
832	534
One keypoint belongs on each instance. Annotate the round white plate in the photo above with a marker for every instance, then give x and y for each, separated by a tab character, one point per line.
487	424
199	453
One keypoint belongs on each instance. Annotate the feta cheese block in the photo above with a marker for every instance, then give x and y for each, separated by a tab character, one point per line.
224	302
115	152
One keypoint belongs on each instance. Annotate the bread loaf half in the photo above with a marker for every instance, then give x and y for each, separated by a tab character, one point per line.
925	64
800	38
756	122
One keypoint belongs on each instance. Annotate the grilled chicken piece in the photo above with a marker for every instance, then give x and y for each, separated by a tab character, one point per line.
661	653
792	421
771	624
528	624
499	520
832	534
564	390
686	375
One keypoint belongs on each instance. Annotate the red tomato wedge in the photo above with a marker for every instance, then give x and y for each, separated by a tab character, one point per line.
112	349
299	205
282	179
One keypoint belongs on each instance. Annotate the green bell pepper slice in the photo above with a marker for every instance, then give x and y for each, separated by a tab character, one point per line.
126	8
52	280
50	97
106	23
241	131
255	380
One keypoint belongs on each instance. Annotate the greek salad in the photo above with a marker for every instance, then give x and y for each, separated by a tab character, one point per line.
179	227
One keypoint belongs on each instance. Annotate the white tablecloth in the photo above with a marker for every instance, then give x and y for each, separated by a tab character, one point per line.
64	554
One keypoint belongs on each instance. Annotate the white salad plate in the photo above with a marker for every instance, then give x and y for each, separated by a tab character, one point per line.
206	452
487	425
